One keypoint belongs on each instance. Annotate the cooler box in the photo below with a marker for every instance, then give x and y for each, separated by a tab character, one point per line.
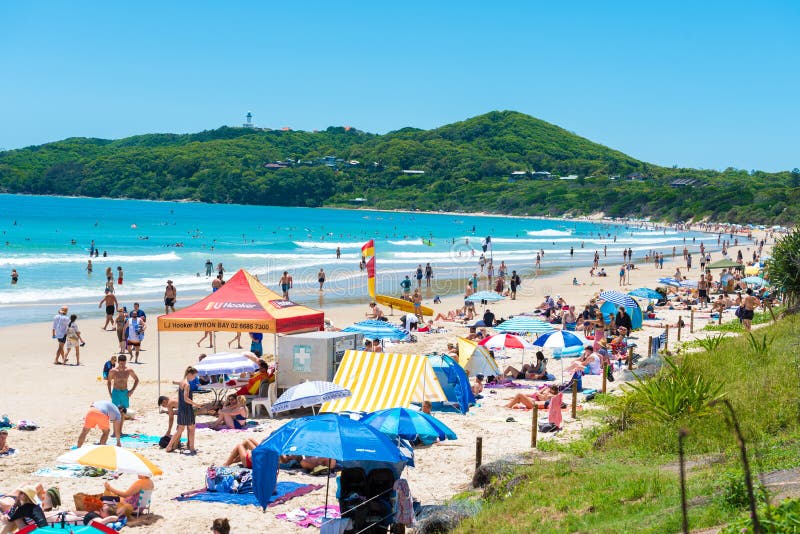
312	356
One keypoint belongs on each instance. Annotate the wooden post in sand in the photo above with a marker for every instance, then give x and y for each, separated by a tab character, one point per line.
630	358
649	346
666	337
534	425
680	324
478	452
691	323
605	376
574	399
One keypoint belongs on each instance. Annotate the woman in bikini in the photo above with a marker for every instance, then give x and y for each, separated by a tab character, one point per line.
233	415
529	401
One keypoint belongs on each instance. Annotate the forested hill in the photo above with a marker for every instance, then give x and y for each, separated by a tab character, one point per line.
496	162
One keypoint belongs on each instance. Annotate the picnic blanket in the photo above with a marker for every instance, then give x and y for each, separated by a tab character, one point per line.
283	492
141	441
314	516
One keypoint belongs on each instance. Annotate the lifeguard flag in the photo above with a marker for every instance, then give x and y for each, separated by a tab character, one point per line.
368	255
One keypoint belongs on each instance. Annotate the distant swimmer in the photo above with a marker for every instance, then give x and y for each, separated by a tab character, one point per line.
119	275
134	226
89	267
14	276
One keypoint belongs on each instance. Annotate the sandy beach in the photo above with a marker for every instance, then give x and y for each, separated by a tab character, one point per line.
57	397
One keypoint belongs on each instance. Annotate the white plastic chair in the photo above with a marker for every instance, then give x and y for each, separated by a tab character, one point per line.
265	399
143	506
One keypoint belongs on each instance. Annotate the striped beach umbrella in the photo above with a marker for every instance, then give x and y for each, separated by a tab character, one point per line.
404	423
524	324
112	458
669	282
373	329
488	296
617	298
558	339
646	293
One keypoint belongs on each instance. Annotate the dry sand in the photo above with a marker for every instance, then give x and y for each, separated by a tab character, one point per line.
57	397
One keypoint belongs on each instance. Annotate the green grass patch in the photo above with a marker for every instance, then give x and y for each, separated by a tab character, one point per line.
621	475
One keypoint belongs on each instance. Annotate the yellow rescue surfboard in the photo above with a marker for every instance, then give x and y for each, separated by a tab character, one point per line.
402	305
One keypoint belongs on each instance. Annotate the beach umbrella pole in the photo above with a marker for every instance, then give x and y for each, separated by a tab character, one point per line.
158	352
327	487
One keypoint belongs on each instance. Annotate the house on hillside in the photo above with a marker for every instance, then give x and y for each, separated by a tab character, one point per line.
569	177
274	166
412	171
684	182
636	177
542	175
517	175
328	161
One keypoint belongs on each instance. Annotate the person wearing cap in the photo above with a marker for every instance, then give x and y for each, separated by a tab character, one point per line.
101	414
25	511
60	324
170	295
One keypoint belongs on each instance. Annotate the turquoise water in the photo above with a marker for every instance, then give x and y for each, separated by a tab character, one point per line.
47	240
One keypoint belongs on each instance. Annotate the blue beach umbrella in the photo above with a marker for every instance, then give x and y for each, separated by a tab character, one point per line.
669	282
525	325
617	298
689	283
488	296
646	293
409	424
328	435
373	329
558	339
755	280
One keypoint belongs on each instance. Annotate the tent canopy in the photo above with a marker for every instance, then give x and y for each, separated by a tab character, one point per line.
724	263
379	380
609	310
454	381
243	304
475	359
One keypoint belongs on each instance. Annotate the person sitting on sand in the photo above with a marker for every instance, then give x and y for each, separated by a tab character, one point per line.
23	512
130	496
221	526
375	312
48	499
528	371
589	363
4	448
241	453
477	386
529	401
233	415
264	373
452	316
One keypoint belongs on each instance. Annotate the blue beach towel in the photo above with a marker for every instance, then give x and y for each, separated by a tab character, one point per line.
283	492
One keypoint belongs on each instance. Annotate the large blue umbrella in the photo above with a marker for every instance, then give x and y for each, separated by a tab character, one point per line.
372	329
646	293
488	296
328	435
409	424
669	282
617	298
524	324
558	339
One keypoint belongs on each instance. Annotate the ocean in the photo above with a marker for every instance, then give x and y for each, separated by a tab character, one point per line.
48	240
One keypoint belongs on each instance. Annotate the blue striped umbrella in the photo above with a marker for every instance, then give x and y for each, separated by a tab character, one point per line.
646	293
488	296
408	424
524	324
372	329
669	282
617	298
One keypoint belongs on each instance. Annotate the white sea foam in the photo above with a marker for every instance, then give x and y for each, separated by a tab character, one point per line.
327	245
43	259
549	232
404	242
288	256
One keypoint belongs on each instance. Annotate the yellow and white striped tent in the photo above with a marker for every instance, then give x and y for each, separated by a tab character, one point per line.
475	359
379	380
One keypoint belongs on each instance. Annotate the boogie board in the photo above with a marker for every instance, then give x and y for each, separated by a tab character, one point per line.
402	305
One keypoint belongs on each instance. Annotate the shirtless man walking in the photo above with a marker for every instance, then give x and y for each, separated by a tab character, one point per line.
749	304
118	383
111	304
170	295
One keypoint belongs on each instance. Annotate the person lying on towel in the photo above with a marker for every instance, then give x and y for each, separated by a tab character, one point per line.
531	401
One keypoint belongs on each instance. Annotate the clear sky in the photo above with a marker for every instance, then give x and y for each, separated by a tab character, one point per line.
707	84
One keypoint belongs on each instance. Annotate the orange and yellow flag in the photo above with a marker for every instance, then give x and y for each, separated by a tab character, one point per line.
368	255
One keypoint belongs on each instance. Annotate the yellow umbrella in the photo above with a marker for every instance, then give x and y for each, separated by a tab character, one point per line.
751	269
112	458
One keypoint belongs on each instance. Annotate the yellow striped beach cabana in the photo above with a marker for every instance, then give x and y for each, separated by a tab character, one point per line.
380	380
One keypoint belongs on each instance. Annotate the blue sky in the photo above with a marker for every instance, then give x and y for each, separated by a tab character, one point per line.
707	84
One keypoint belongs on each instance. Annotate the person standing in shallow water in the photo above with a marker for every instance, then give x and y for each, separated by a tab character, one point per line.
321	278
286	284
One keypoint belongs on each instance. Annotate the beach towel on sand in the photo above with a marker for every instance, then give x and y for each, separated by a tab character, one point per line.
314	516
283	492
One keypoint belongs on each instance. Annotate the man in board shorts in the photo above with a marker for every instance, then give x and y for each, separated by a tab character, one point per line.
111	304
170	294
118	383
101	415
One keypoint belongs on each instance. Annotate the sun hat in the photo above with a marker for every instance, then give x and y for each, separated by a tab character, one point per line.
30	493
